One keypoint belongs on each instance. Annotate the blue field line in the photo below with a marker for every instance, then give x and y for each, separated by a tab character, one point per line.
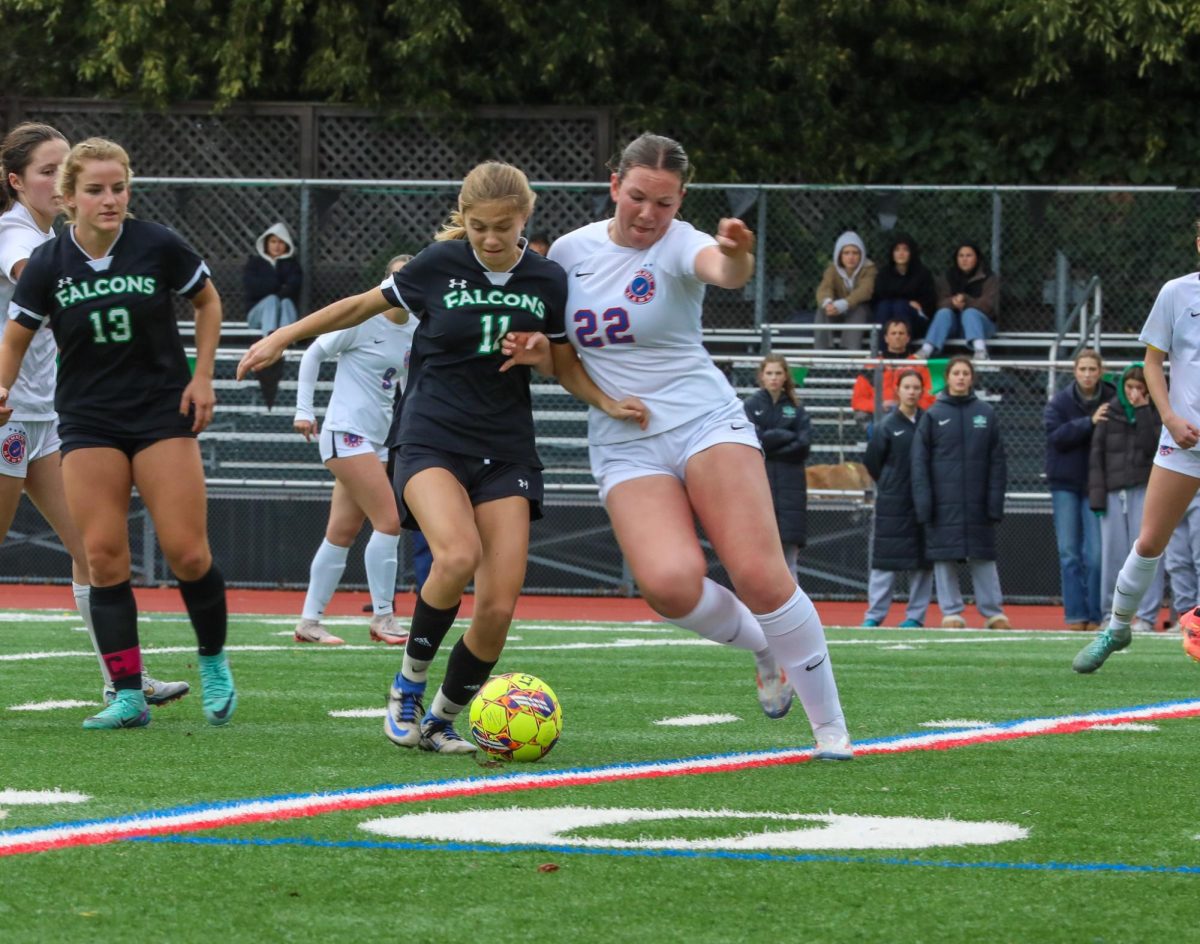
232	805
310	842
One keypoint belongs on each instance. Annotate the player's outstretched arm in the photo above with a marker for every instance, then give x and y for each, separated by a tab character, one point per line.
569	370
730	263
527	349
199	394
13	346
344	313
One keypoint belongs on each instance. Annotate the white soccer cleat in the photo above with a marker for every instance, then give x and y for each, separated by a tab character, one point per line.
775	693
310	630
384	629
833	743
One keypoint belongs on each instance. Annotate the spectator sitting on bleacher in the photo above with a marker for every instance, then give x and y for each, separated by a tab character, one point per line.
844	295
1122	455
904	288
785	432
896	347
271	280
966	304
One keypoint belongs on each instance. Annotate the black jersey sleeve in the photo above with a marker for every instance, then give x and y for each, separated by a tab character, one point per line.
407	288
556	305
186	269
33	299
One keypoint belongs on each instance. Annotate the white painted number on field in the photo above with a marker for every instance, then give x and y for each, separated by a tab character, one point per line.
554	826
37	798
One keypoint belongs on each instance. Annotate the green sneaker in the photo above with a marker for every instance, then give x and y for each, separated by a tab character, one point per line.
219	698
1107	641
127	710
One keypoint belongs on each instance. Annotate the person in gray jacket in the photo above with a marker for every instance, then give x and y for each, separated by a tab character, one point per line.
844	295
898	543
1123	450
959	474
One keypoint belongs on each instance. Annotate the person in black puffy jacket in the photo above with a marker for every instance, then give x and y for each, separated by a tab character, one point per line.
959	474
898	543
785	431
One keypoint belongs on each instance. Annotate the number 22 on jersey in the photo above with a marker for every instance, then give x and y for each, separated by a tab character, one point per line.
591	333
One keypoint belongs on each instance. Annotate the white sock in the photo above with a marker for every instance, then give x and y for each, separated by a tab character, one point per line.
328	565
1134	579
798	641
923	354
979	344
722	617
380	558
415	670
444	708
83	603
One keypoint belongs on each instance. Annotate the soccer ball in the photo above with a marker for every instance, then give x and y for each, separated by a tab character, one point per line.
516	717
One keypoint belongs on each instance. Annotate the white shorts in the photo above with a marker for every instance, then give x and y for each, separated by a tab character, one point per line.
336	444
668	453
26	441
1183	461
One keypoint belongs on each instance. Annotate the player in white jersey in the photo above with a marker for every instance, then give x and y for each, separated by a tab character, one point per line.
635	295
29	445
1171	330
372	366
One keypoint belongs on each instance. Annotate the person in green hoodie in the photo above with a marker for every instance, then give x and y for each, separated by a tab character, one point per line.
1122	454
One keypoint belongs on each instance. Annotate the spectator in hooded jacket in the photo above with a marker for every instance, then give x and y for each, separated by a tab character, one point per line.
1069	418
966	304
959	474
896	339
271	280
1122	454
785	431
904	287
844	295
898	543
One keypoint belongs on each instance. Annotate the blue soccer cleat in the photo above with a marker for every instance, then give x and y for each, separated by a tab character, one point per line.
405	706
219	698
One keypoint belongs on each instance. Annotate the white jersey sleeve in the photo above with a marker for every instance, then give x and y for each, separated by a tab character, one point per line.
372	364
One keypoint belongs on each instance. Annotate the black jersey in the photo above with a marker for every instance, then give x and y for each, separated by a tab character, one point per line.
456	398
122	364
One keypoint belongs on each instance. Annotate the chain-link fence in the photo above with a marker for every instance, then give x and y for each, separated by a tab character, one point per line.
269	490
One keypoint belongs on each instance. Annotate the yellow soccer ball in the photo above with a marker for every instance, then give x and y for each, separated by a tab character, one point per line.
516	717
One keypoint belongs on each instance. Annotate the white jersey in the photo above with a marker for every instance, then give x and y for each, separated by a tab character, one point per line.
372	363
634	317
1173	326
32	396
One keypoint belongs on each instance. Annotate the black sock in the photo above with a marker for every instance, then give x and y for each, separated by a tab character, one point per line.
114	620
428	629
465	673
205	602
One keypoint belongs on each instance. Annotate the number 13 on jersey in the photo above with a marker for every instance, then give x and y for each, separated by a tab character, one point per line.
112	325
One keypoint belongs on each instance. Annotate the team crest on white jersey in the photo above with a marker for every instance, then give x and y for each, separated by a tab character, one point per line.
641	287
13	448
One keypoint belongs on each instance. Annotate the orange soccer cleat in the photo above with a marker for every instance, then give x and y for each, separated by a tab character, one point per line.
1189	625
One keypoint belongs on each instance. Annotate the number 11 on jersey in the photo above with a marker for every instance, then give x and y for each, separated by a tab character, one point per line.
491	340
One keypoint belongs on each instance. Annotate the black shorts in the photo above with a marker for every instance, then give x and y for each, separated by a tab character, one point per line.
130	443
485	480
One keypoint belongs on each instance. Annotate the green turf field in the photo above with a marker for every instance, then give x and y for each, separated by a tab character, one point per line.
1083	835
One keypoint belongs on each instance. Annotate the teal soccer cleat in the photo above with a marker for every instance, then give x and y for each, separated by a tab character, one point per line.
127	710
219	698
1094	654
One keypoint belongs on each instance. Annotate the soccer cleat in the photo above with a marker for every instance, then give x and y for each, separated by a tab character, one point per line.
775	694
310	630
833	743
383	629
156	692
1189	625
1000	621
1108	641
219	697
869	623
953	621
405	707
911	624
127	710
439	735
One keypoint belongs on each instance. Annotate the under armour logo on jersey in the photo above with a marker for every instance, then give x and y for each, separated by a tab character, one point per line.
65	281
458	283
523	483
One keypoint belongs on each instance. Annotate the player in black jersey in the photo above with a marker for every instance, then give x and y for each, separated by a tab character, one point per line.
467	472
129	410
